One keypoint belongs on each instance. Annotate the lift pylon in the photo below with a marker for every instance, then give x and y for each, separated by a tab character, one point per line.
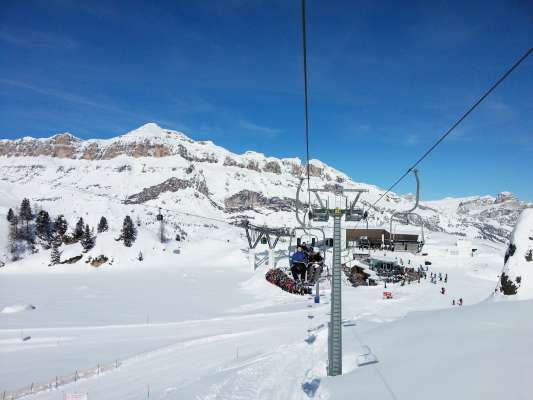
322	213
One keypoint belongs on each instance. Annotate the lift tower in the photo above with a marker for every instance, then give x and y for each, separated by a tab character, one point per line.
350	214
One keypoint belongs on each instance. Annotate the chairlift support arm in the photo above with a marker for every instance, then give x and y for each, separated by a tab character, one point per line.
254	234
410	211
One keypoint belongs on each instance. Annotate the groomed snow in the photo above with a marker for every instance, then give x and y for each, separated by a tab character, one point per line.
205	327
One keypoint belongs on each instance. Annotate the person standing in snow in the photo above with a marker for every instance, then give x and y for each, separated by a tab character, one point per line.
446	279
461	301
442	290
453	302
299	264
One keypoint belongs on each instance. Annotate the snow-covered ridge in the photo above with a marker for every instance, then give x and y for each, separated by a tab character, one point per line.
152	167
150	140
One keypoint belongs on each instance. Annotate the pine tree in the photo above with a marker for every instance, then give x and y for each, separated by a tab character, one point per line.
55	256
25	210
60	225
129	233
87	239
26	215
10	215
43	226
507	286
78	230
102	225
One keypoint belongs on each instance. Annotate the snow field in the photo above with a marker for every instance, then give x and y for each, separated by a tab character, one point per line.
207	328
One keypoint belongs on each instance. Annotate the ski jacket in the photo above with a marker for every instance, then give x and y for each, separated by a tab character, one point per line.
299	257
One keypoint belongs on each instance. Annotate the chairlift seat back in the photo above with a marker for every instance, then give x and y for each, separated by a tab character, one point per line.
354	215
319	215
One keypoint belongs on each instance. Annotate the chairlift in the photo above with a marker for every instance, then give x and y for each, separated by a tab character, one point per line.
309	237
159	216
354	215
319	214
404	215
367	357
315	240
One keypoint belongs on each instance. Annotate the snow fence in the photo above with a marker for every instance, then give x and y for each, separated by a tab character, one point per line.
59	381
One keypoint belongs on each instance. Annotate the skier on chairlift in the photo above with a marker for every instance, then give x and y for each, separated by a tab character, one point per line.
298	264
314	268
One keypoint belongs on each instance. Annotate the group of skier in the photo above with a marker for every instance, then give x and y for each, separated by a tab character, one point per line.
459	302
306	264
433	278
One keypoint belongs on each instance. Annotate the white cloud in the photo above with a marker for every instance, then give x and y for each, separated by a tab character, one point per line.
32	38
271	132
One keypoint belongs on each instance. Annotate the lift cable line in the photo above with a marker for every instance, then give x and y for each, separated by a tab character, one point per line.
457	123
306	101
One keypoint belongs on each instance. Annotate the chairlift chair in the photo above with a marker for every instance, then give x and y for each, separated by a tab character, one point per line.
367	357
309	239
319	214
354	215
315	239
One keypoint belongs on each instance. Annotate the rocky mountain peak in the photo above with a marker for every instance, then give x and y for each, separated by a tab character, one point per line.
505	196
65	138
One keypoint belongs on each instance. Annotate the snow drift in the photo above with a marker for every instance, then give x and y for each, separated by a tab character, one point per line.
517	273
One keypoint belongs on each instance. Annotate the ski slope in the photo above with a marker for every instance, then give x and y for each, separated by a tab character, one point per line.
205	327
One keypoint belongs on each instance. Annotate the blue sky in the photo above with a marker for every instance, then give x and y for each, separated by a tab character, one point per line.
386	79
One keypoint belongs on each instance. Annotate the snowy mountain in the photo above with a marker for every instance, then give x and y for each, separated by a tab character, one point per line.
189	319
152	167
